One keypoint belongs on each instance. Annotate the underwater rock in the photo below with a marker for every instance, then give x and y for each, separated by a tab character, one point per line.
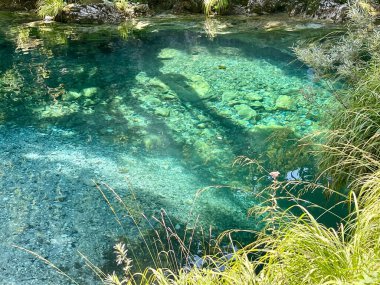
55	111
152	142
90	14
71	96
89	92
88	102
190	88
285	102
201	126
205	152
256	104
245	111
168	96
151	100
229	96
163	112
200	86
169	53
157	83
253	97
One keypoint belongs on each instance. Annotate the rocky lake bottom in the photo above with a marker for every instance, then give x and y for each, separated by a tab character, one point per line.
155	110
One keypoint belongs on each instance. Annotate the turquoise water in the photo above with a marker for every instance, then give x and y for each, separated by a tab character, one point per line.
155	111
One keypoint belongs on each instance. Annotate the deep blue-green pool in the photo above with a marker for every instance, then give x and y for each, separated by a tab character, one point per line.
156	111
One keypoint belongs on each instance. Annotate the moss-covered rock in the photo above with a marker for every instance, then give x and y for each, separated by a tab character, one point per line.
229	96
90	91
253	97
190	88
71	96
163	112
256	104
245	112
285	102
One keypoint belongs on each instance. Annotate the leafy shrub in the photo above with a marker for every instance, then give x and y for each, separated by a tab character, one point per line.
49	7
215	5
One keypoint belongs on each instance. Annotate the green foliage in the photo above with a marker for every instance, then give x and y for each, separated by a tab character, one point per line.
352	148
122	5
351	145
299	249
214	5
347	56
49	7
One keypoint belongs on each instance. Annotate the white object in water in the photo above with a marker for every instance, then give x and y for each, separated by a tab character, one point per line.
48	19
294	175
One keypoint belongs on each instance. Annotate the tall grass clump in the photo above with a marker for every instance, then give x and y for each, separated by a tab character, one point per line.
49	7
351	145
298	251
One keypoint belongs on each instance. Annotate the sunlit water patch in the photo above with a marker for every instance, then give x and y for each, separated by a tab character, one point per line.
154	113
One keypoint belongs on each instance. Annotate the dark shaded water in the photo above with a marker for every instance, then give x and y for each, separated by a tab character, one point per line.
155	112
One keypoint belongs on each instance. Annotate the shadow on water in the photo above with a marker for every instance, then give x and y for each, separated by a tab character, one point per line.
111	65
100	88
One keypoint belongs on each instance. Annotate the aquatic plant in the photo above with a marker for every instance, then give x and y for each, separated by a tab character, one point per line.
50	7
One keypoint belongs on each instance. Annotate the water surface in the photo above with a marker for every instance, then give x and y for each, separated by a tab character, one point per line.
154	111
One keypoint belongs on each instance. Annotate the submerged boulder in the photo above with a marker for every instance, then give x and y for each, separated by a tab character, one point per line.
246	112
285	102
189	88
90	14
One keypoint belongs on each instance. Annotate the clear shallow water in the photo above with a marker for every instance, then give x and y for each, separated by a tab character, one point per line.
155	113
